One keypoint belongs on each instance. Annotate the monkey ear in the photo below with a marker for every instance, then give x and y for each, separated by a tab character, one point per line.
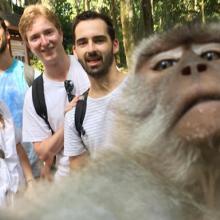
115	46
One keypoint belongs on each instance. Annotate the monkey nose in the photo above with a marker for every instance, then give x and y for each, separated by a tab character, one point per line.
201	67
187	70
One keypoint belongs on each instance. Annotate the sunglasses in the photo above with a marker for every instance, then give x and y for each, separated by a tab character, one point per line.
69	86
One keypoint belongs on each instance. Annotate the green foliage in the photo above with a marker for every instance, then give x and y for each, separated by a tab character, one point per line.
139	22
166	13
212	9
173	12
64	10
36	63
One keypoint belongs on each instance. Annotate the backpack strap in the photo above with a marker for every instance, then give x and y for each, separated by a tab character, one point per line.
80	112
39	99
2	154
29	74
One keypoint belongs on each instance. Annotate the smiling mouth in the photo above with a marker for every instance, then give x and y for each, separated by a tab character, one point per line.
93	62
93	59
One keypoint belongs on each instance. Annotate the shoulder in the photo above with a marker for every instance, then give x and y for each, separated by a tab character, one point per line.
70	116
16	66
75	65
28	96
73	59
18	62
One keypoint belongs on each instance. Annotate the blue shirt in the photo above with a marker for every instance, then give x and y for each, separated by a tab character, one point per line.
13	87
12	90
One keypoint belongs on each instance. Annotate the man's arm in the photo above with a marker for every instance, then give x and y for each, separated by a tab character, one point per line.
77	162
73	146
25	164
51	146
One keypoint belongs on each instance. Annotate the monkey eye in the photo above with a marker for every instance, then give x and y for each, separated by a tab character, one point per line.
164	64
210	55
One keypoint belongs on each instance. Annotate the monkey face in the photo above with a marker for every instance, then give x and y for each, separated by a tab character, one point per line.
188	81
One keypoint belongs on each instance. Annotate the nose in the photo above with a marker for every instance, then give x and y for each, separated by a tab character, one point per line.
44	40
91	46
188	70
191	63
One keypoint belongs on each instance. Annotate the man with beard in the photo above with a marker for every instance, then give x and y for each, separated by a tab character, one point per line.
12	91
95	46
41	31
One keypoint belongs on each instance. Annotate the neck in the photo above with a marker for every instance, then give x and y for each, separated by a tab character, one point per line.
5	60
58	70
106	84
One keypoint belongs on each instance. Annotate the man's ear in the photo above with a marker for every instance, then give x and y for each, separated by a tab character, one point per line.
74	51
115	46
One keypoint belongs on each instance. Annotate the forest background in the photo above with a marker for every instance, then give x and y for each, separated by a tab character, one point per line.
133	20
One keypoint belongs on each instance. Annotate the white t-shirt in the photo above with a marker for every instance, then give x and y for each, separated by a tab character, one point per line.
34	127
11	174
94	125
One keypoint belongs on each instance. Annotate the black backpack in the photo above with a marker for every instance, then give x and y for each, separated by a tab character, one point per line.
41	108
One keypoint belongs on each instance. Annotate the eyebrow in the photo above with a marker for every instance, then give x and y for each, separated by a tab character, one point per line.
94	37
100	36
81	39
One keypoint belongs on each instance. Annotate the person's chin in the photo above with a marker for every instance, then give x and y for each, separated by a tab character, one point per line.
50	57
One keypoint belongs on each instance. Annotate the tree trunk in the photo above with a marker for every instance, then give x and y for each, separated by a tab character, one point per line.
77	5
113	13
147	16
5	6
30	2
127	28
86	5
203	11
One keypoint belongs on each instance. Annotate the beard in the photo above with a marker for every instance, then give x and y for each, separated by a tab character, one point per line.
100	70
3	44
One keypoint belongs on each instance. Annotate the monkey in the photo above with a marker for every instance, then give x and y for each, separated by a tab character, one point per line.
161	160
117	188
172	127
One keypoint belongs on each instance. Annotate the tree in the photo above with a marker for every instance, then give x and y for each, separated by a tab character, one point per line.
147	17
127	27
132	20
5	6
86	5
64	10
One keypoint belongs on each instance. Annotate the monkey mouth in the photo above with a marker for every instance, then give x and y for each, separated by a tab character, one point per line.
197	101
198	118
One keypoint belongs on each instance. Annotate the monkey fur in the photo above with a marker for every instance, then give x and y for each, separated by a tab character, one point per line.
162	160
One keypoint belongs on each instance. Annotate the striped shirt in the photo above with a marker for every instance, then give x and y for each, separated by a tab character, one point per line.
94	125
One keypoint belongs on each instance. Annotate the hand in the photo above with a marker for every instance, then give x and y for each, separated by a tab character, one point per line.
46	173
71	104
30	188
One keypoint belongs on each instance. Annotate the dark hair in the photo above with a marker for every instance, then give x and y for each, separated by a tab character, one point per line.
2	24
90	15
